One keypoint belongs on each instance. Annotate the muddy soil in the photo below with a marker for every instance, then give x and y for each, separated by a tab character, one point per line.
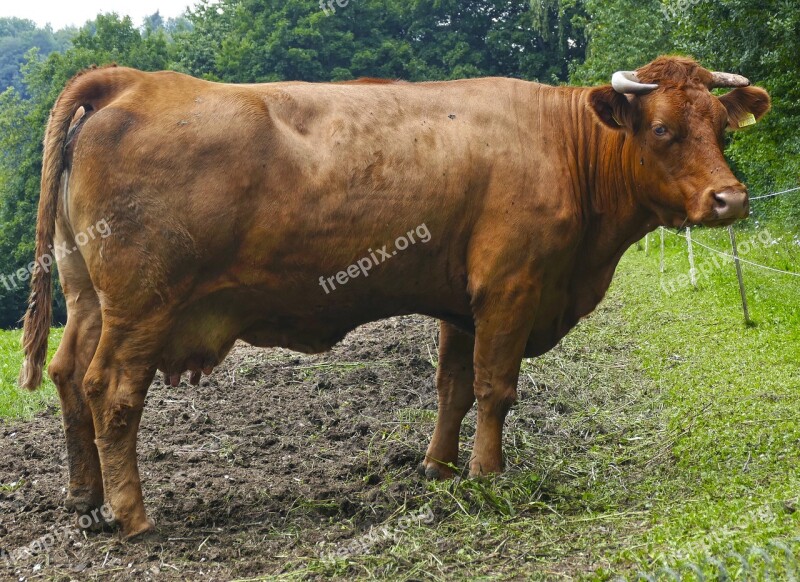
275	456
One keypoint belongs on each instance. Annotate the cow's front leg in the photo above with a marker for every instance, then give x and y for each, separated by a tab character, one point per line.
454	380
503	322
116	387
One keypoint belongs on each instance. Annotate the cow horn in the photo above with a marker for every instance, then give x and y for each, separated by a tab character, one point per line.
719	80
628	82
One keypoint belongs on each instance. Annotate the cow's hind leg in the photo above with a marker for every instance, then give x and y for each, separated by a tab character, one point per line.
116	386
454	380
67	370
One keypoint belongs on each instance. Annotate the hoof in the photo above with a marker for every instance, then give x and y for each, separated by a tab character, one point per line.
477	469
433	471
80	505
83	503
139	533
89	513
94	522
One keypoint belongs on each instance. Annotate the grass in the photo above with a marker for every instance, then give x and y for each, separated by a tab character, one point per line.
15	403
659	440
732	391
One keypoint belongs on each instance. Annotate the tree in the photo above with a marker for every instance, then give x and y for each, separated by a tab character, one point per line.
561	24
17	37
153	23
266	40
623	34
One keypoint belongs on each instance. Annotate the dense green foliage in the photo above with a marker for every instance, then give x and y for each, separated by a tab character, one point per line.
262	40
624	35
552	41
17	37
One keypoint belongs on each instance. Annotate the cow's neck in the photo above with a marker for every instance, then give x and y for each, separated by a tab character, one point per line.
613	217
616	215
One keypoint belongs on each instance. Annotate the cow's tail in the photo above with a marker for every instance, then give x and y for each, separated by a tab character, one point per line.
90	90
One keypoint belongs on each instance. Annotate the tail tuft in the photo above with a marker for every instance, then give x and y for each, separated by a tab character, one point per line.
36	332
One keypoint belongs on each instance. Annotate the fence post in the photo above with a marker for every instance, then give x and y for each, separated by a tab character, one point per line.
739	276
661	230
647	244
692	270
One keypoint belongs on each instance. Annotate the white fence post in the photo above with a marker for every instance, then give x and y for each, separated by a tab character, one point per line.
661	229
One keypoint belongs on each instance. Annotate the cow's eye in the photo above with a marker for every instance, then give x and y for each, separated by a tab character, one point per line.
660	130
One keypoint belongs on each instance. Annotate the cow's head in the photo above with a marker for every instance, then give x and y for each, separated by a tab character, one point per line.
676	128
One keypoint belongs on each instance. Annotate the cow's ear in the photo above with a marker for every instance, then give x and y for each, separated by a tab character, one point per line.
612	108
745	106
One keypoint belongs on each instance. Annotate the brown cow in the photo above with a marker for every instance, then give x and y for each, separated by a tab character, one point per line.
228	206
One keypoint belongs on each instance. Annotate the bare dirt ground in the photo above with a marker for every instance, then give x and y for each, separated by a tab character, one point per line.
260	462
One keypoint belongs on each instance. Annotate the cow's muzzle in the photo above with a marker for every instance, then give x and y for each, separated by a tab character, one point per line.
731	204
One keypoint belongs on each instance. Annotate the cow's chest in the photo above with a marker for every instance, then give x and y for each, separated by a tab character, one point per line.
564	302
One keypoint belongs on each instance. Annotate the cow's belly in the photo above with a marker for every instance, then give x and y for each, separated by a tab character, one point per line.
204	331
297	314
